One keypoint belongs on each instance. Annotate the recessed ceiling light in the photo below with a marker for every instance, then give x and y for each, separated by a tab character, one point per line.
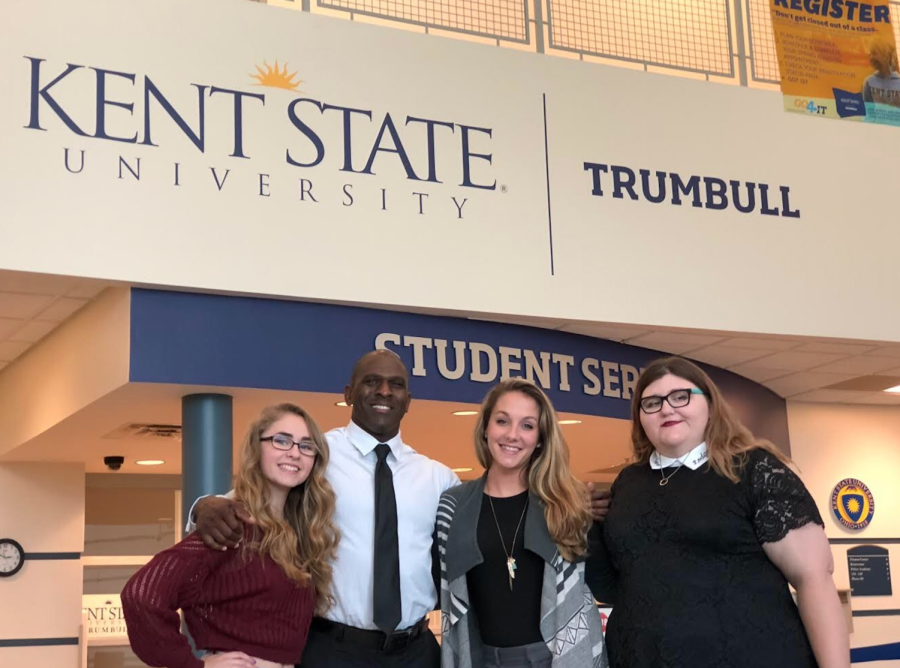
570	421
895	389
150	462
463	413
464	469
342	404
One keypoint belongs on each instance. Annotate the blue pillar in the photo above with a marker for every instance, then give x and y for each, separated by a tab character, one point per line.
206	447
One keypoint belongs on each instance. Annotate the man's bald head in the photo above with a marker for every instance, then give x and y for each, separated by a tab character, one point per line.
379	393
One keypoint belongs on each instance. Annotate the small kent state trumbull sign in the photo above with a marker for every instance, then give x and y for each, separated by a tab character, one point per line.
104	616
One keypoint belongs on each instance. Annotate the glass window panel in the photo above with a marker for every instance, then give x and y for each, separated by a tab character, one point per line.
107	579
113	657
122	522
502	19
689	34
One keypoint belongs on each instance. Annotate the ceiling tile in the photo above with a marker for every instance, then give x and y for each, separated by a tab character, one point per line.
36	284
805	381
757	373
8	326
87	290
794	361
61	309
673	342
34	331
887	351
871	383
861	365
18	305
879	398
828	396
10	350
759	343
601	331
836	348
724	357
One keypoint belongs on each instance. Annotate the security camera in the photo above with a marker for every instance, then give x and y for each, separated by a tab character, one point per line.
113	463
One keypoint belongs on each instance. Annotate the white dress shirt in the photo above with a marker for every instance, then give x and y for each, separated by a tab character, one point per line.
418	485
693	460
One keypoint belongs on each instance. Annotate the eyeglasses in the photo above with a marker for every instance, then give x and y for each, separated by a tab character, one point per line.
286	443
676	399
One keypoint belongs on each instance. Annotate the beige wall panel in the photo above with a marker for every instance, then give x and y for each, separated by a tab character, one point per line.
830	442
44	511
43	507
43	600
40	657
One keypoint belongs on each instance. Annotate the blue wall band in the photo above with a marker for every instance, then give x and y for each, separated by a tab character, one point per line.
52	556
864	540
37	642
888	652
225	341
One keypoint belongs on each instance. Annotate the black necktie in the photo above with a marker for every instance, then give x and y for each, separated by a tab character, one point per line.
387	546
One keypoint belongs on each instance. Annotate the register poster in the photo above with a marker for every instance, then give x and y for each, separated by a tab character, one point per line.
838	59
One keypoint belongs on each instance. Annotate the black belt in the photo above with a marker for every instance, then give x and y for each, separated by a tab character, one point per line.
394	642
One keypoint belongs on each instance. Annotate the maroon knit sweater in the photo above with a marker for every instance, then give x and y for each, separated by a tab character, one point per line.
231	603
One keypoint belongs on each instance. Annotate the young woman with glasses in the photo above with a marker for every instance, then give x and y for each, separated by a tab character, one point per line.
513	546
704	533
249	607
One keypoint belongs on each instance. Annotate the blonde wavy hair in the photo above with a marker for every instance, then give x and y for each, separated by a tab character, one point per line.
548	475
304	542
883	55
727	439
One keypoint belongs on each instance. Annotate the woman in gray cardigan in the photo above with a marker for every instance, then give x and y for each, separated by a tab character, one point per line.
513	546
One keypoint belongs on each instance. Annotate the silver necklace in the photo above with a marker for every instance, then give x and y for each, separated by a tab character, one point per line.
510	560
666	478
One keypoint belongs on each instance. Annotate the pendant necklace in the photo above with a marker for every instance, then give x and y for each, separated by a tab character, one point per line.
666	478
510	560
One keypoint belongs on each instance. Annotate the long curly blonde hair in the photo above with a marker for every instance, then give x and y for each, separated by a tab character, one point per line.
727	439
548	475
304	541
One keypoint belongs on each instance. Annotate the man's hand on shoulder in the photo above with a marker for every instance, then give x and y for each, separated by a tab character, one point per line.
599	502
220	522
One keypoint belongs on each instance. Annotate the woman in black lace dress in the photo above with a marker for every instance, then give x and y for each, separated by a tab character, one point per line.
705	532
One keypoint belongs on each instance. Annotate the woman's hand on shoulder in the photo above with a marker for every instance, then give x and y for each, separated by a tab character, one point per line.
229	660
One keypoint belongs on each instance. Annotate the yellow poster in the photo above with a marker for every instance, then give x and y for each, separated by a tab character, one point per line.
838	59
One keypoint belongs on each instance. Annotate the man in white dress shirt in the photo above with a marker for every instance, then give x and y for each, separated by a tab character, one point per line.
348	635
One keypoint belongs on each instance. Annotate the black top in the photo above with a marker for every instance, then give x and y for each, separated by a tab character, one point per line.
694	587
506	618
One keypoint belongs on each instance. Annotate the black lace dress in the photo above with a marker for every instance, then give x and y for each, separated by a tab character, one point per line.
693	587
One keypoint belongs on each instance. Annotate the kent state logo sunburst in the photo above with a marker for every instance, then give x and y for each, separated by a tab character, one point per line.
273	77
852	504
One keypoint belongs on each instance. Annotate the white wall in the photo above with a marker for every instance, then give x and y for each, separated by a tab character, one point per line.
203	230
43	510
830	442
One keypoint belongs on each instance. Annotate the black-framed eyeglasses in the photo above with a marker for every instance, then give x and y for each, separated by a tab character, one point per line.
286	443
676	399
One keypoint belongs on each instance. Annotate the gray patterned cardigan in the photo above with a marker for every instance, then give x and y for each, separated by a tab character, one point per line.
570	621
